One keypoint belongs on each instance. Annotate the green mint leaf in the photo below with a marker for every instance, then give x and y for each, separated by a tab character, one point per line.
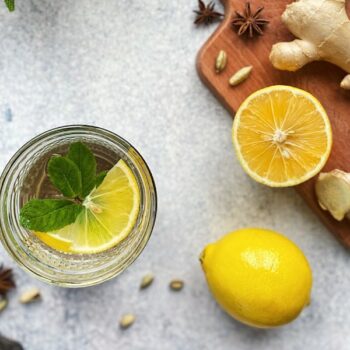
65	176
10	5
84	159
100	177
45	215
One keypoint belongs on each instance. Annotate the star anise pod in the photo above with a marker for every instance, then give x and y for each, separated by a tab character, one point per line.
6	280
249	22
206	14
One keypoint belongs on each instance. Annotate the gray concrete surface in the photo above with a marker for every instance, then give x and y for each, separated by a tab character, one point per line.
128	66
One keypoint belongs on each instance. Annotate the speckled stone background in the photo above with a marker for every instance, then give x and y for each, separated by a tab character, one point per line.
128	66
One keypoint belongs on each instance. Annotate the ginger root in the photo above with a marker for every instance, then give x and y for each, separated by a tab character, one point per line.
333	193
323	29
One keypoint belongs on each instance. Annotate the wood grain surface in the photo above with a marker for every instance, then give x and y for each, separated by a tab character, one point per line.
319	78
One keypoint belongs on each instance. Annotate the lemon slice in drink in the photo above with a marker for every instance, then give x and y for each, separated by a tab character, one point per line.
282	136
54	241
109	215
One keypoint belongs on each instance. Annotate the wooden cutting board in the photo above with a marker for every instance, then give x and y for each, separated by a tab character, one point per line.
319	78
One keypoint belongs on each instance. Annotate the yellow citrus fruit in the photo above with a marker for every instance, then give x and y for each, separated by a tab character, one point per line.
55	241
258	276
109	215
282	136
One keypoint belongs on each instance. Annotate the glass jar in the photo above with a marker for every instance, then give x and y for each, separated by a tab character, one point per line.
20	181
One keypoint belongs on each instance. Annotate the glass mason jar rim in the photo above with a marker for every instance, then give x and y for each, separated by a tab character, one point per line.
81	276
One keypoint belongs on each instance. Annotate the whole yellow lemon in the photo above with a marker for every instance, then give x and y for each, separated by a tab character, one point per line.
258	276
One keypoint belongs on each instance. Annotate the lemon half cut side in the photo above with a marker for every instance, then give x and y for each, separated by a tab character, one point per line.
282	136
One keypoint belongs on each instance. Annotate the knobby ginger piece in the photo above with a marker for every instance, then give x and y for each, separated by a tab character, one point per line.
333	193
323	32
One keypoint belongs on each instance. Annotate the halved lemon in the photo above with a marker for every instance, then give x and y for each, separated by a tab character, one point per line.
282	136
109	215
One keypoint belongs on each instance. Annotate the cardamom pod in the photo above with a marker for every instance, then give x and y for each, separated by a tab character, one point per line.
240	76
176	285
30	295
3	304
146	281
221	61
127	321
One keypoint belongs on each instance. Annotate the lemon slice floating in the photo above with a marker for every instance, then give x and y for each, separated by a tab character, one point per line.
55	241
109	215
282	136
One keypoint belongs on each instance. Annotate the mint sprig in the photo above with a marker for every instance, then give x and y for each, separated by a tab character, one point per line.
10	5
86	163
46	215
74	175
65	176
